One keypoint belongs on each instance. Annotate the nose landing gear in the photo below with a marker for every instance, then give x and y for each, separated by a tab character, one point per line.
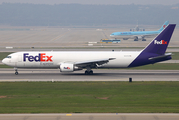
16	72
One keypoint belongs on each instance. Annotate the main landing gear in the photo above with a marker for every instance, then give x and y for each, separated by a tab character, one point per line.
16	72
88	72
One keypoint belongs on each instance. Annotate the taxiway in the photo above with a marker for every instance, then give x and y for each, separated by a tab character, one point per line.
99	75
92	116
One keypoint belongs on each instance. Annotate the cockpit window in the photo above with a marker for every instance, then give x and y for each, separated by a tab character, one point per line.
8	57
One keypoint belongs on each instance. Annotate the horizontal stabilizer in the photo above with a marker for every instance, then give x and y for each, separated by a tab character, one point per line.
162	57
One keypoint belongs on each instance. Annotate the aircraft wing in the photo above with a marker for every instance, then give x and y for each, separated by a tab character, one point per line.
93	63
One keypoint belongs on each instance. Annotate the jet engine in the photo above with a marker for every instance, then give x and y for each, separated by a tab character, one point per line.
68	67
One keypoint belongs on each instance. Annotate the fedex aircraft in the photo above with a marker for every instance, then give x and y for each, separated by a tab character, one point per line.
70	61
136	35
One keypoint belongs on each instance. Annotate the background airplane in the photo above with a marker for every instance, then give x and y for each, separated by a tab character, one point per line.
137	28
136	35
69	61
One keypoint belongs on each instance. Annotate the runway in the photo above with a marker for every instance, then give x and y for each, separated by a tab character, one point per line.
99	75
92	116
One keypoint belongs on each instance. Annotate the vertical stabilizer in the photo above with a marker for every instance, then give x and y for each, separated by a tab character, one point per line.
160	43
155	51
164	25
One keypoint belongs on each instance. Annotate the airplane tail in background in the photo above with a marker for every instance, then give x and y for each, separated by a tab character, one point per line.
164	25
155	51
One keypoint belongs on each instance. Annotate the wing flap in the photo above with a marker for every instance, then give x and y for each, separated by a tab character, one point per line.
93	63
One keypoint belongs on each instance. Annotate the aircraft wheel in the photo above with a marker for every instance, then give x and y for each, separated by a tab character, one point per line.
135	39
91	72
86	72
16	73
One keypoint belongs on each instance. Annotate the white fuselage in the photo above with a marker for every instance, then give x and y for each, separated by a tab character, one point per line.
54	59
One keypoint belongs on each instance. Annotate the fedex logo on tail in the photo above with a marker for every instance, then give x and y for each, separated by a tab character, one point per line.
162	42
41	57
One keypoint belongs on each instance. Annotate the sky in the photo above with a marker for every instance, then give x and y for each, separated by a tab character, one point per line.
106	2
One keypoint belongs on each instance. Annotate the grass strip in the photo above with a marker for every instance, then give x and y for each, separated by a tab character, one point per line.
158	66
4	66
4	54
89	97
175	55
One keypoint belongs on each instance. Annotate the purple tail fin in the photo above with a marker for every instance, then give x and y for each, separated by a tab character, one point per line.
160	43
155	51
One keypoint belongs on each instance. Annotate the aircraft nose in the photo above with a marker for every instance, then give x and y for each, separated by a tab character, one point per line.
4	61
111	35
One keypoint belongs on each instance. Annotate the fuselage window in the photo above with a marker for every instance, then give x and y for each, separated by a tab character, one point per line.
8	57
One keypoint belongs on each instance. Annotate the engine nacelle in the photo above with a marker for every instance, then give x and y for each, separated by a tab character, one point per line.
66	67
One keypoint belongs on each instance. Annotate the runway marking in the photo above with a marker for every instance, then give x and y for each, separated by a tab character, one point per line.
13	80
68	114
105	34
59	36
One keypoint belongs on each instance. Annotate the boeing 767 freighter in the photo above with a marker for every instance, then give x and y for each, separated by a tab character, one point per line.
70	61
136	35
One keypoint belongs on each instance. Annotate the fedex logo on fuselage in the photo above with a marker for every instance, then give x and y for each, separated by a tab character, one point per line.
41	57
162	42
